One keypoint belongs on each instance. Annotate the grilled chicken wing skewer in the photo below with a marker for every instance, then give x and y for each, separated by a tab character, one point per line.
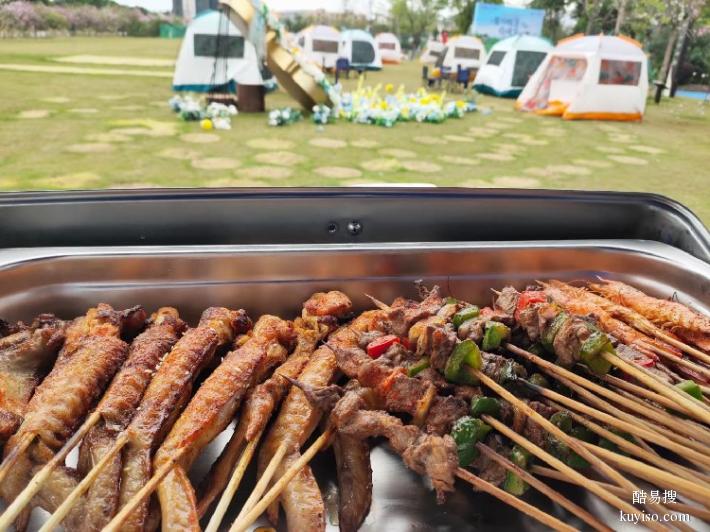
92	354
320	314
26	355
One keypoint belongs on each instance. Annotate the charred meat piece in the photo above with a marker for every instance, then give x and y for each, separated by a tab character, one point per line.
404	312
352	457
26	356
444	412
507	300
167	394
210	411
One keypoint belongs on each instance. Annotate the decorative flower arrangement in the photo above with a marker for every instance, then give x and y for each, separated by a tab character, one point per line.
322	115
217	114
284	116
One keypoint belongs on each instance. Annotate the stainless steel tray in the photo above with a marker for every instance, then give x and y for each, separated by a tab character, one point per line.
277	278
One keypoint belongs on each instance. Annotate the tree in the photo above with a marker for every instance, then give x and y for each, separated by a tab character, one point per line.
554	11
415	18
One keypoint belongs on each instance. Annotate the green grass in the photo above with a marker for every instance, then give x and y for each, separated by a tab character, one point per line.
551	154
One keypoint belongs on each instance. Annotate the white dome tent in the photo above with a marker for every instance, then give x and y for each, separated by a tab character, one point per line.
597	77
510	64
389	47
432	53
215	56
464	51
359	47
321	44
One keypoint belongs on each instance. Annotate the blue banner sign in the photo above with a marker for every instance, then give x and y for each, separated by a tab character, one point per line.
495	20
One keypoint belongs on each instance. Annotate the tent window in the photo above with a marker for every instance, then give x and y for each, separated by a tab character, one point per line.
526	64
619	72
363	53
302	41
496	58
231	46
326	47
386	46
466	53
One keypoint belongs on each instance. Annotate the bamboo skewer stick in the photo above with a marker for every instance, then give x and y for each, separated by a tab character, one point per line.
544	488
668	465
14	455
150	486
620	424
680	507
279	486
35	484
233	484
557	371
658	333
692	406
678	361
563	468
61	512
690	489
518	504
264	480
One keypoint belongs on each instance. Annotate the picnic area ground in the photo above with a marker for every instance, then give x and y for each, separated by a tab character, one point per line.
91	112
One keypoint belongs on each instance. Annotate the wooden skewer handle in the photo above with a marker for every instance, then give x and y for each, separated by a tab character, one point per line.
14	455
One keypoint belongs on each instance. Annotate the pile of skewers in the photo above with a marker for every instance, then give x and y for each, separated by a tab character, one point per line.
601	386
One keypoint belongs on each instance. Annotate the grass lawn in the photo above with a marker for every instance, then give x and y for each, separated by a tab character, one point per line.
76	130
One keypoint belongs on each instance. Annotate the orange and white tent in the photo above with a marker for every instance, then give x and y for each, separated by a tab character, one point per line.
597	77
390	48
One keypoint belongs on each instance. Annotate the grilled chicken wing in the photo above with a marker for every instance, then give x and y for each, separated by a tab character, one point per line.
352	456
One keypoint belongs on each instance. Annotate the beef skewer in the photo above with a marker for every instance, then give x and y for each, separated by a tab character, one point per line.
168	392
26	355
92	354
115	409
320	314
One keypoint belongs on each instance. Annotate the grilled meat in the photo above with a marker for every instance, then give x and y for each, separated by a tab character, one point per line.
352	457
26	355
167	394
302	500
210	411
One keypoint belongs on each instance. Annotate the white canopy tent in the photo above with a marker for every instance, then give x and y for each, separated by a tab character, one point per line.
598	77
321	44
432	53
360	49
464	51
390	48
214	56
510	64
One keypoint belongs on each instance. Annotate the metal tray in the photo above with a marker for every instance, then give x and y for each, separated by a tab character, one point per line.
276	279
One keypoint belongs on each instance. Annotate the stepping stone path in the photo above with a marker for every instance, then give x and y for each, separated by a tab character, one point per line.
647	149
458	138
179	153
226	182
108	137
132	186
215	163
128	107
535	142
145	126
338	172
609	149
270	144
515	182
33	113
325	142
364	143
593	164
84	110
509	119
398	153
94	147
57	99
424	167
459	161
429	141
475	183
496	156
568	169
500	125
267	172
281	158
380	165
552	132
481	132
539	172
626	159
68	181
200	138
112	97
624	139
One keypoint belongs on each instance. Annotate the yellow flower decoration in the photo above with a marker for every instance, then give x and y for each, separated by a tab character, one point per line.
389	88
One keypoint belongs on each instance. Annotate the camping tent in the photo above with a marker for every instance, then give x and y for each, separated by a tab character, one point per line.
358	47
320	44
432	53
390	49
510	64
595	77
464	51
214	56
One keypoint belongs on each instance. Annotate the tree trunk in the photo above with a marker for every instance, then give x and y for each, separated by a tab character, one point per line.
620	16
679	52
668	55
592	13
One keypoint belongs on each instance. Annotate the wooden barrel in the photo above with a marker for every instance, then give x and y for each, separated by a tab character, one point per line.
250	98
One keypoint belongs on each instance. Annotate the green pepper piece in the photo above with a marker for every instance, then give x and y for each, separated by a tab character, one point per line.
464	354
485	405
513	483
465	314
467	432
582	433
538	379
495	333
419	366
562	420
611	446
691	388
552	329
509	372
576	462
591	351
451	300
